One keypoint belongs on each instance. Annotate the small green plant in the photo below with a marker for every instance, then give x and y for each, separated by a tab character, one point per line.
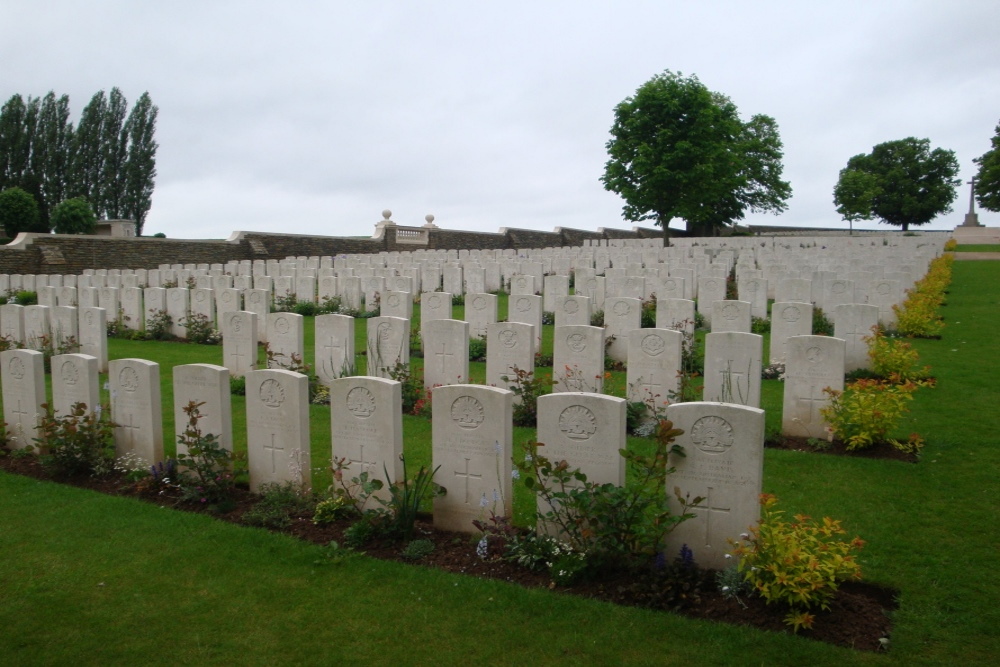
208	468
80	442
612	525
277	505
284	303
417	549
527	387
201	330
329	305
26	298
237	385
867	411
306	308
760	325
648	316
405	499
821	325
412	386
396	518
477	348
799	564
731	583
892	358
158	325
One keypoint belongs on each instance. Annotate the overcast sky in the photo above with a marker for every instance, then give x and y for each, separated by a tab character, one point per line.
313	117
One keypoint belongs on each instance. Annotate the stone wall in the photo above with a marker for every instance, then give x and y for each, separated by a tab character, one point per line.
71	254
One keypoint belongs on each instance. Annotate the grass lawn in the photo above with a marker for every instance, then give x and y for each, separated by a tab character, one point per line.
978	247
91	579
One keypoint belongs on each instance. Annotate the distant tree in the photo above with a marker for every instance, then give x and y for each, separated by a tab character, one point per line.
86	154
109	158
988	177
16	128
854	195
50	153
73	216
18	211
114	148
678	150
140	164
907	183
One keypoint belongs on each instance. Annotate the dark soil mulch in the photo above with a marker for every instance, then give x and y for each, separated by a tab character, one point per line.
838	448
859	616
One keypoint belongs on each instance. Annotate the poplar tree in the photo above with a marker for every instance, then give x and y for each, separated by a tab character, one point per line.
140	164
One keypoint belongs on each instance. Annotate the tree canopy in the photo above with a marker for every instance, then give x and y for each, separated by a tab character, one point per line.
73	216
18	211
987	186
679	150
901	182
109	158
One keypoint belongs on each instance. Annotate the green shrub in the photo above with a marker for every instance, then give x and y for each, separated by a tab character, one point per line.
209	475
78	443
799	564
605	524
477	348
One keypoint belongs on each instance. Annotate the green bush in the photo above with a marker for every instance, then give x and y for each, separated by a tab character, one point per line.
18	211
73	216
78	443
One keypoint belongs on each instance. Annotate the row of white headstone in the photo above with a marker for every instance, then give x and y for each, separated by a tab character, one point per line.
472	435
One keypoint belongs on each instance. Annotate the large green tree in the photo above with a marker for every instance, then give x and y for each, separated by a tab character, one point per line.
988	177
18	211
679	150
905	182
73	216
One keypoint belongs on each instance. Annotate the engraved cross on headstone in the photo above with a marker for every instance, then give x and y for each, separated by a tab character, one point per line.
273	446
649	384
20	415
334	356
708	507
129	433
815	399
442	355
467	475
366	466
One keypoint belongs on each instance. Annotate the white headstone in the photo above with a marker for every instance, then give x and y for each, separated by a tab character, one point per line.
22	373
334	341
814	363
853	322
74	380
731	316
208	385
388	345
277	404
732	367
472	444
578	358
509	346
136	408
94	335
286	339
239	342
446	352
654	365
366	423
723	464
